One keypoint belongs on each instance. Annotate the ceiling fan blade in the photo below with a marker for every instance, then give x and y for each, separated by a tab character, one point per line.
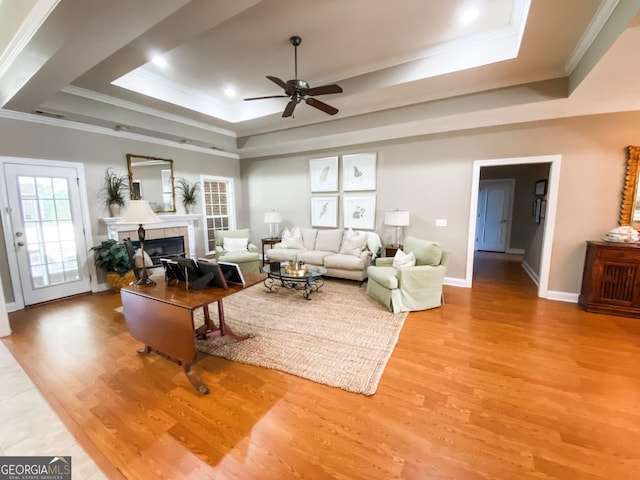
269	96
324	90
321	106
288	110
281	83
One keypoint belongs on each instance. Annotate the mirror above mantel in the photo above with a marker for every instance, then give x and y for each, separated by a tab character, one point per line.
151	179
630	208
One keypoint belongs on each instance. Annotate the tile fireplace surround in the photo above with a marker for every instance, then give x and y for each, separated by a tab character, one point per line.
171	226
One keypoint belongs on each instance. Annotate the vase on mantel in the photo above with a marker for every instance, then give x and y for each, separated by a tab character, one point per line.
114	209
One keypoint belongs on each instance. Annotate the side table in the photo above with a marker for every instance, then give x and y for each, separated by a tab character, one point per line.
271	242
390	250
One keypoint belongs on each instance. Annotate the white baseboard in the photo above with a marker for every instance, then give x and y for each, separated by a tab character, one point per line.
518	251
563	296
12	307
534	276
455	282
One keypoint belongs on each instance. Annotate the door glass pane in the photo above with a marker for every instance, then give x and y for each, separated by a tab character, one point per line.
49	232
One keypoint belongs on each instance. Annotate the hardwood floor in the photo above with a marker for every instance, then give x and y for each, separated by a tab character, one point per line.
496	384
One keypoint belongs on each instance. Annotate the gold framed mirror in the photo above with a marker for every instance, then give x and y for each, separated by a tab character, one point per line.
630	208
151	179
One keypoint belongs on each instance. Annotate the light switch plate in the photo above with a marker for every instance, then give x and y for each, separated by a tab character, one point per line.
441	222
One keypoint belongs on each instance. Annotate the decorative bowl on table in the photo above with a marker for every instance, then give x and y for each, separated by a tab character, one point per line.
294	270
624	234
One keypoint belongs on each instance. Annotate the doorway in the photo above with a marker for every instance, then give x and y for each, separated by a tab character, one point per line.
46	230
554	162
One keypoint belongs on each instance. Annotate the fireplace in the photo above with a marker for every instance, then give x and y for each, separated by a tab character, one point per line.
182	226
157	248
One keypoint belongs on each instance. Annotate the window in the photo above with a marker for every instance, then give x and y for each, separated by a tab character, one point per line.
218	209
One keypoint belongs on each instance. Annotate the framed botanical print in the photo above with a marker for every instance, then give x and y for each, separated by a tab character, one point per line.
324	211
359	211
324	174
359	172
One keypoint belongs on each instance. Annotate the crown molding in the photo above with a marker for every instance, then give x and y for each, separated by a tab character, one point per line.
598	21
116	102
54	122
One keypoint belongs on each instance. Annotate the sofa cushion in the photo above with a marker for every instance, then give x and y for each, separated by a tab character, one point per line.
313	257
353	242
292	239
344	261
385	276
309	236
401	259
329	240
425	251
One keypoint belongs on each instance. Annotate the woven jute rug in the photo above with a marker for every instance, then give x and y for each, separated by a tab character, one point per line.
341	337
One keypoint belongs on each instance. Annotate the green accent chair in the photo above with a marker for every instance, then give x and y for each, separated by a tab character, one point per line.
248	259
410	288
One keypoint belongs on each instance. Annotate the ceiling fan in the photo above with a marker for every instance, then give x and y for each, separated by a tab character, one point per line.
298	90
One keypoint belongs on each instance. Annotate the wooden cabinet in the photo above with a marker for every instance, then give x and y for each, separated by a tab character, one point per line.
611	279
390	250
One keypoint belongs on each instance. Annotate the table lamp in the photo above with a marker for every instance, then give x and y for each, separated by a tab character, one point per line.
140	213
273	218
397	218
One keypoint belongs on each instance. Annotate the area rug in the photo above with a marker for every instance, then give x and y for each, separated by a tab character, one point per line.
341	337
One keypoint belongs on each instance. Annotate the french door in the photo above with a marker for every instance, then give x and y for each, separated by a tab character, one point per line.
48	231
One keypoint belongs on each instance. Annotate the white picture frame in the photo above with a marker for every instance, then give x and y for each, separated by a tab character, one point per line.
359	172
359	211
323	174
324	211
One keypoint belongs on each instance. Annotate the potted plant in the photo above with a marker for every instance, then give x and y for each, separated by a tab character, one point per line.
113	191
188	192
113	259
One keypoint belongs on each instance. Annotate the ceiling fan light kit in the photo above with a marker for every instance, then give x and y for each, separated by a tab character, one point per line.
298	90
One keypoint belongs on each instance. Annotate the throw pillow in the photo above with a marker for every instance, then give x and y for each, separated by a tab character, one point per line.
292	238
234	244
402	259
353	242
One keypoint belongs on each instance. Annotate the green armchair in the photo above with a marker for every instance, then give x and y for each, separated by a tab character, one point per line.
410	288
238	249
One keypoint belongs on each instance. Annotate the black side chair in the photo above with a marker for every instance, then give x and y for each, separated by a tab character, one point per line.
131	251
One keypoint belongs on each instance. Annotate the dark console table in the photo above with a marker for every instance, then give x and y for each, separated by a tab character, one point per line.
611	279
161	317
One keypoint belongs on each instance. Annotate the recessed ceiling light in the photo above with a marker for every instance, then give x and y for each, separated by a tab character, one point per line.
230	92
159	61
469	15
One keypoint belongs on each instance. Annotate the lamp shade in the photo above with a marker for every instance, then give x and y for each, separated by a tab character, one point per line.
272	217
397	218
139	213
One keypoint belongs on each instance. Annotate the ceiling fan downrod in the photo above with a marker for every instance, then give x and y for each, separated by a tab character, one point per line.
295	41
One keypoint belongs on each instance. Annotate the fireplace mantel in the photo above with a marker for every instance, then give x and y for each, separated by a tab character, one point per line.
168	221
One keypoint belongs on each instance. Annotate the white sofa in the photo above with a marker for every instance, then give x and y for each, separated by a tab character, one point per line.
344	253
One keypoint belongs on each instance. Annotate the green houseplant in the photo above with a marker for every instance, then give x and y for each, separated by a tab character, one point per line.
188	192
113	259
114	190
